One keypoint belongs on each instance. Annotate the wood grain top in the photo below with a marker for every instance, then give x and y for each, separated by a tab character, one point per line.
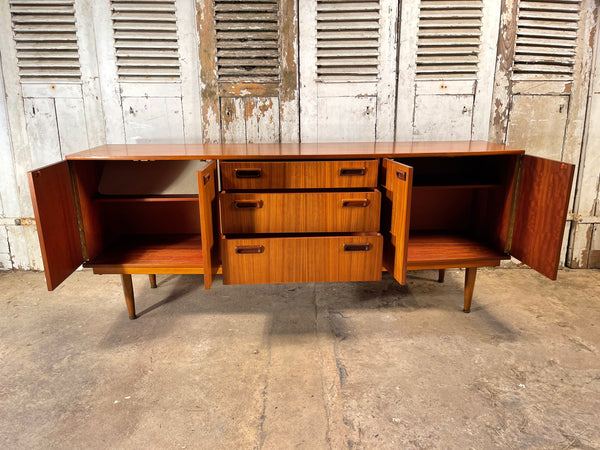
292	151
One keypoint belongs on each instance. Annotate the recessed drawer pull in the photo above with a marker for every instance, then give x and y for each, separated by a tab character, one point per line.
248	204
361	203
353	171
248	173
357	247
401	175
249	249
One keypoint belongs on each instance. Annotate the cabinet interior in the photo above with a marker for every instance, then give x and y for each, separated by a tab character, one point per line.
139	212
461	207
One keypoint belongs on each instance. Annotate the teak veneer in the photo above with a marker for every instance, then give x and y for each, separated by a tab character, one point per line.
299	212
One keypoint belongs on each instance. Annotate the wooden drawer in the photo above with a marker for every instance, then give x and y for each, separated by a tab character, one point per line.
300	212
302	259
298	174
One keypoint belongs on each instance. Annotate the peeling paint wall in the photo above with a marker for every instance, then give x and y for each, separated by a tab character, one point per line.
41	122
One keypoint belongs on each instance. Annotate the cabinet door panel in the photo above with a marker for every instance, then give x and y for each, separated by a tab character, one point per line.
542	206
209	221
396	213
56	219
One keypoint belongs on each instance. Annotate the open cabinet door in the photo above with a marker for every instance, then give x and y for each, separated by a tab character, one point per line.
56	221
542	205
209	221
396	217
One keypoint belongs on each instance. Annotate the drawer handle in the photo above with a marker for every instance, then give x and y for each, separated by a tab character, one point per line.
248	173
355	203
357	247
248	204
401	175
249	249
353	171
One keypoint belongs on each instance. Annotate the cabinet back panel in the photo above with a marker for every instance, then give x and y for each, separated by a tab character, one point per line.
441	209
121	218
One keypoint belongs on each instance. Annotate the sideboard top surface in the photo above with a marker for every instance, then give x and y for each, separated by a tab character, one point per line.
293	151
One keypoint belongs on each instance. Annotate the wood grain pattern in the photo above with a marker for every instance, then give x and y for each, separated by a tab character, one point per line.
470	276
299	175
293	151
127	284
300	212
399	182
151	254
444	250
209	222
302	259
541	214
56	219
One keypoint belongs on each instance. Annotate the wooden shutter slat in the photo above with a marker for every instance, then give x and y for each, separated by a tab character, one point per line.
142	25
45	34
352	27
546	39
247	35
449	36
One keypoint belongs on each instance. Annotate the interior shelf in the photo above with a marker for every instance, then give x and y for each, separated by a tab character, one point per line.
152	252
442	248
146	198
457	186
455	180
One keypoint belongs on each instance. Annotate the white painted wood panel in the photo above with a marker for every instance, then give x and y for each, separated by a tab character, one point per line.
42	130
346	119
233	120
153	120
262	120
71	123
537	124
443	117
5	260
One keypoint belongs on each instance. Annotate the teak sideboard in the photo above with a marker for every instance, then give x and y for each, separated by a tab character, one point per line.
291	213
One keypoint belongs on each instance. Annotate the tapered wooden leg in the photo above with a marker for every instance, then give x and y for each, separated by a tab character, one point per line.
128	291
441	275
470	274
152	281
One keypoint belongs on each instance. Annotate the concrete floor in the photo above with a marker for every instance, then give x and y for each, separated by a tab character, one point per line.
344	365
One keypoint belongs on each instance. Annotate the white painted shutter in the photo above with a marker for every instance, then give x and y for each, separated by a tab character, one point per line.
546	39
445	69
147	54
347	70
347	41
247	35
146	41
46	41
449	38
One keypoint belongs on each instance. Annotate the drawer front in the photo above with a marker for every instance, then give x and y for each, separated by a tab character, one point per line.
300	212
302	259
298	174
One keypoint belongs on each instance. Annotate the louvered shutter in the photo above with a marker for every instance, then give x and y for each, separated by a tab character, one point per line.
348	70
446	67
449	37
347	41
546	39
46	41
249	72
146	41
247	39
